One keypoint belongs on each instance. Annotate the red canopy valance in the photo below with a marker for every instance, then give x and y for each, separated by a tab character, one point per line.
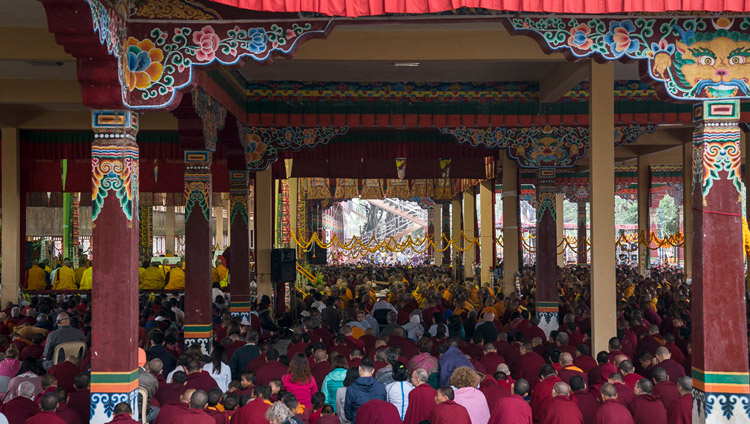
354	8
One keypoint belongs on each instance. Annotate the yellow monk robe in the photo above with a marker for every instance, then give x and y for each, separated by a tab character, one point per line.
65	279
141	274
86	278
220	274
628	293
79	274
176	279
37	278
153	279
47	269
500	308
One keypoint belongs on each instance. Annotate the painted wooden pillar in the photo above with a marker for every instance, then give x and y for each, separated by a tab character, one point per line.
560	209
687	206
511	225
470	216
445	223
198	320
11	214
293	199
228	208
487	230
264	208
457	237
644	189
720	355
581	246
219	216
437	220
546	251
170	242
67	233
602	178
239	260
115	237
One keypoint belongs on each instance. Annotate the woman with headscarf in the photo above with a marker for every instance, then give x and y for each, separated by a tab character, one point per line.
414	329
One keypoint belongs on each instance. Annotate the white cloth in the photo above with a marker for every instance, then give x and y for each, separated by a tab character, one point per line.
398	395
222	378
340	399
434	327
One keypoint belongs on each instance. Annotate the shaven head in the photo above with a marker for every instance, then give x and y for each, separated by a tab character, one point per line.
186	395
659	374
198	400
560	389
521	387
608	391
566	359
684	385
644	386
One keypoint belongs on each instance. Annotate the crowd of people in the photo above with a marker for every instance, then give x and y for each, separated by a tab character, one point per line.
376	345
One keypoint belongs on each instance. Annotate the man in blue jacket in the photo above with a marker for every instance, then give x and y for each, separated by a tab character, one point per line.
362	390
450	358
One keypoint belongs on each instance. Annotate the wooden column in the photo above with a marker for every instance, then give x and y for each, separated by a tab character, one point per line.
115	237
198	320
437	225
720	355
293	198
560	209
457	237
602	177
470	216
264	207
687	206
511	230
170	240
546	251
581	220
487	230
644	202
228	208
239	259
11	214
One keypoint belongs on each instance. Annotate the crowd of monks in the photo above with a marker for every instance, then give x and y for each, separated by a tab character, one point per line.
376	344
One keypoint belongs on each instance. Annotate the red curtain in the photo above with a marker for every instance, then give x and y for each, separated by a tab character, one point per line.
354	8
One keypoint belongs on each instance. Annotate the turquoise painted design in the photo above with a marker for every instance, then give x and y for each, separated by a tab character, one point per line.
262	145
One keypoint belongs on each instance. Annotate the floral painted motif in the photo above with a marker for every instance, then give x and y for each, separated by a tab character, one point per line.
208	43
143	66
694	57
262	145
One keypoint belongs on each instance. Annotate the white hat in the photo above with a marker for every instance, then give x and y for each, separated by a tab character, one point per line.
305	313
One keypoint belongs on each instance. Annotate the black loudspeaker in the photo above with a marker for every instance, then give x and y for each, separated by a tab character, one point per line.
29	256
283	265
317	255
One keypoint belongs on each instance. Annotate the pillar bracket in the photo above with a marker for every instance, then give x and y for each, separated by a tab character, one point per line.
238	196
198	182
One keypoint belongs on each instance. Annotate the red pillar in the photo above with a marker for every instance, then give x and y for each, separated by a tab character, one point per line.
114	354
546	251
720	355
239	261
198	320
582	254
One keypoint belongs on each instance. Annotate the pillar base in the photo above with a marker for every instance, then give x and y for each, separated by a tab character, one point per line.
202	335
548	314
109	389
720	408
240	308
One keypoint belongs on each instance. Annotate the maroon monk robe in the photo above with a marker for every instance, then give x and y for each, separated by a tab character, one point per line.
567	373
492	390
80	401
421	404
601	373
170	393
169	411
193	416
562	410
588	405
67	414
449	412
624	393
673	369
681	411
272	370
65	372
123	419
320	370
528	366
667	391
648	409
613	411
585	363
44	417
254	412
377	411
631	379
200	380
541	393
20	409
218	416
511	410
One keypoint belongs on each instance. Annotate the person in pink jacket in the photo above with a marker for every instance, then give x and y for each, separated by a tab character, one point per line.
299	381
465	380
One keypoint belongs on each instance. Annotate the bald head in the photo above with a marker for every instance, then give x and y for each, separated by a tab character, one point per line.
659	374
63	319
662	353
684	385
643	386
619	359
560	389
521	387
626	367
186	395
566	359
615	377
